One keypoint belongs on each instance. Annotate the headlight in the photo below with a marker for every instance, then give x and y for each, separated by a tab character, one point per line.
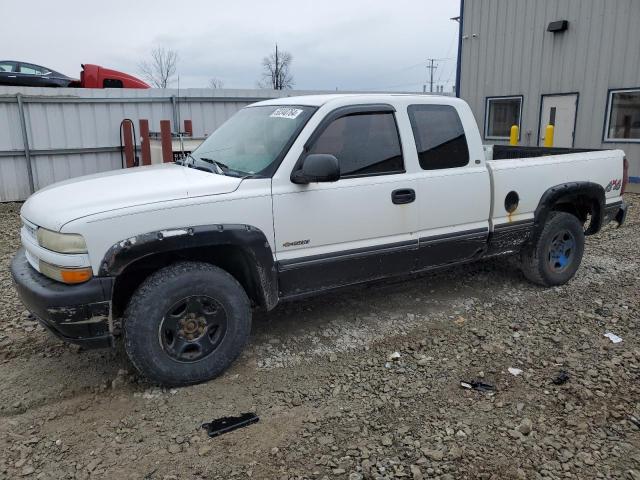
65	274
61	242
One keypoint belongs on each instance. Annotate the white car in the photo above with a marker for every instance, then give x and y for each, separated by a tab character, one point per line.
289	198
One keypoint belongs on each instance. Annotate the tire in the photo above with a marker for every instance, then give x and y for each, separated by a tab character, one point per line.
555	255
186	324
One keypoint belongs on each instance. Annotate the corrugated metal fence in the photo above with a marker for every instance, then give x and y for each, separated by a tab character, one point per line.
48	135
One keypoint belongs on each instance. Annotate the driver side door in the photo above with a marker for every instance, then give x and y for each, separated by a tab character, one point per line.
357	228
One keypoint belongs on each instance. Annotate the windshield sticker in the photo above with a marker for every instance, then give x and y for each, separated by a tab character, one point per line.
290	113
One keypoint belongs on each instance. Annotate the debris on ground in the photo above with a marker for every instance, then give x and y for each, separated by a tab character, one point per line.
394	356
480	386
514	371
561	378
613	337
228	424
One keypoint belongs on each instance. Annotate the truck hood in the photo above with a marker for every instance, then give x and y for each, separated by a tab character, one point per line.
63	202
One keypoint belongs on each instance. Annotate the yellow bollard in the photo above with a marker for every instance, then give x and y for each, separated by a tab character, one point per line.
548	136
513	138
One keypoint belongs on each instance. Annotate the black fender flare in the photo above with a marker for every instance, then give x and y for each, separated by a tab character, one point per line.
570	192
251	240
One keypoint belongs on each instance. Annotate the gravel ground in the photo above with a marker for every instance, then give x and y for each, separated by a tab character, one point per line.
364	383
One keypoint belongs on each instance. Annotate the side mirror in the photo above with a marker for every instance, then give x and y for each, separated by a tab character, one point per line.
317	167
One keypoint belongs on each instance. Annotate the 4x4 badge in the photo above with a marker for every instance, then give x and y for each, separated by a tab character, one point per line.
615	184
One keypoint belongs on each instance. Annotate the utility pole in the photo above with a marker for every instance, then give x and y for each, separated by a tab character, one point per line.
431	68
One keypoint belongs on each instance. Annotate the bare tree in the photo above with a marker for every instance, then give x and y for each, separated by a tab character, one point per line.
160	69
216	83
276	71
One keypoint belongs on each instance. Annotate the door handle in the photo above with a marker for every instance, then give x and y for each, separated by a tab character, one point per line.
403	195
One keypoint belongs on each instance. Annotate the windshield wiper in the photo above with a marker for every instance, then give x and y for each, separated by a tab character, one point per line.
197	164
220	168
219	165
226	170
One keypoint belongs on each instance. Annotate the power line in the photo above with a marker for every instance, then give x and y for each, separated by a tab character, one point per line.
395	86
430	64
451	44
451	73
402	69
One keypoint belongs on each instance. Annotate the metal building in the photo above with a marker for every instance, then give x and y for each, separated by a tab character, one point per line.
571	63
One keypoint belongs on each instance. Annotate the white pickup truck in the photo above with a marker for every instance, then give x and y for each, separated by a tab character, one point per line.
289	198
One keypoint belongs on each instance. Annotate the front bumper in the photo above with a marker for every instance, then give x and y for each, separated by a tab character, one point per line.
615	212
78	314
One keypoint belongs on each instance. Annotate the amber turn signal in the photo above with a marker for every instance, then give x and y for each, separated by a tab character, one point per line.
77	275
65	275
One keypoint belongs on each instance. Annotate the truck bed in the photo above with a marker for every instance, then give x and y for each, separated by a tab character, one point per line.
529	171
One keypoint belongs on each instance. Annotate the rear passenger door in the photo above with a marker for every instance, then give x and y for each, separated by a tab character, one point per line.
454	188
30	75
354	229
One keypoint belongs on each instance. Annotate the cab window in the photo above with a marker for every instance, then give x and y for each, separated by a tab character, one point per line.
439	135
364	144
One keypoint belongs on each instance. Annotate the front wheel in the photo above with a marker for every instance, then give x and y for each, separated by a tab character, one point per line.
554	257
186	324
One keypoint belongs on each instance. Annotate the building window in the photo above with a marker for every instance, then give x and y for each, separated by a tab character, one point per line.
501	114
623	116
439	136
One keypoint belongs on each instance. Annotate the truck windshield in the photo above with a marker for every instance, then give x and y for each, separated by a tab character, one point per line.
251	141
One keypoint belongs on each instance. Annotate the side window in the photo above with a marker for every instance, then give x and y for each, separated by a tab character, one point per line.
112	83
30	69
7	66
440	138
364	144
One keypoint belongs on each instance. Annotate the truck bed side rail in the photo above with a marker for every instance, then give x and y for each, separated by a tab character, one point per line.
506	152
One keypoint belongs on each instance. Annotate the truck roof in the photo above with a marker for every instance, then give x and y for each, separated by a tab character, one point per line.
319	100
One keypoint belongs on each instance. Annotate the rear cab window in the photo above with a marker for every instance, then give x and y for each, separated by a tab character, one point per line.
364	143
439	135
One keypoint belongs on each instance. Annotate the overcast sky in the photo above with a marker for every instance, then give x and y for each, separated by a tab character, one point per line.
344	44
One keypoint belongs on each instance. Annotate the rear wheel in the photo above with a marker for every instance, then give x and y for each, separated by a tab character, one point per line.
186	324
554	257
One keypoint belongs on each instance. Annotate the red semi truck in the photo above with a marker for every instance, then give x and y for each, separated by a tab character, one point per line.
95	76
